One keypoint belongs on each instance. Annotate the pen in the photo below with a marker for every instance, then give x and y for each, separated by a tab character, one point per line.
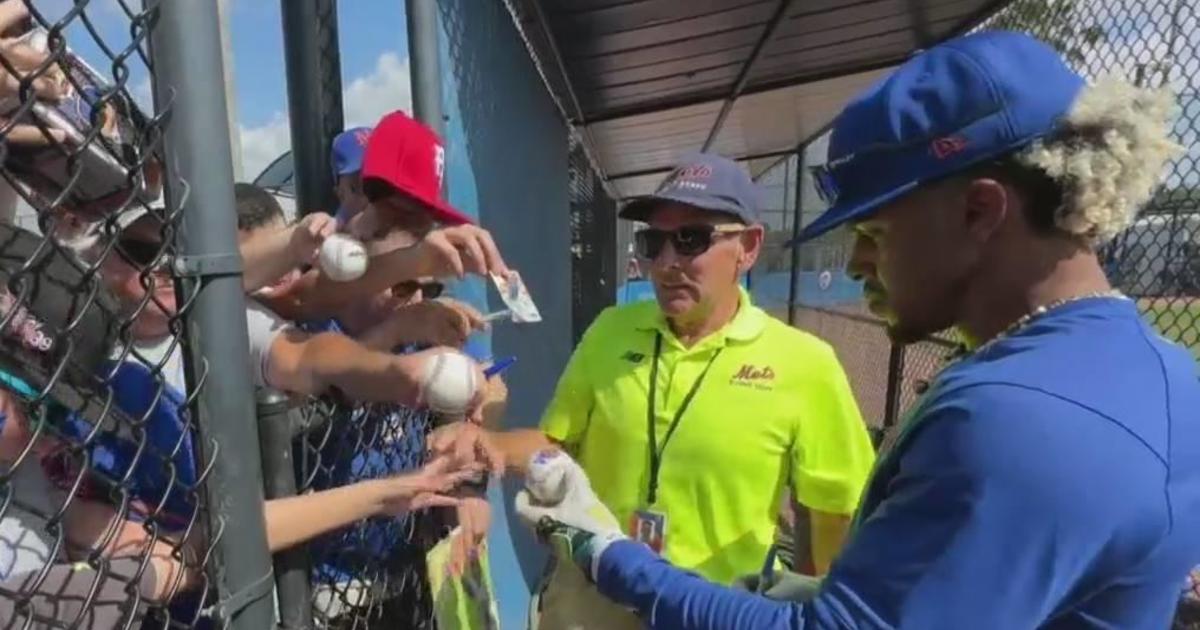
499	366
491	317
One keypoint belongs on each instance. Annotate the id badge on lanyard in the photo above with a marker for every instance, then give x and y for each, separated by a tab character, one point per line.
649	525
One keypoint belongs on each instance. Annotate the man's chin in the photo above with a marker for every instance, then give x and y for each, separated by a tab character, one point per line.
673	306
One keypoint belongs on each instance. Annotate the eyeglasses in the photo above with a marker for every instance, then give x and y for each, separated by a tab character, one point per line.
690	240
139	253
429	290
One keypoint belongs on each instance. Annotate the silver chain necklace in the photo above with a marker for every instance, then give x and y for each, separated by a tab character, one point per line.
1029	317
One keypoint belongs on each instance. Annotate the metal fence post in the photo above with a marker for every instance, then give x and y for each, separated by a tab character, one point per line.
793	288
312	66
186	48
276	426
423	52
895	381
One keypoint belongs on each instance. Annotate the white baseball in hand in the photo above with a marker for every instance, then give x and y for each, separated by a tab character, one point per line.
449	382
343	258
546	478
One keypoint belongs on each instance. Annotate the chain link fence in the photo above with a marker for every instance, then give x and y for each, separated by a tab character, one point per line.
373	573
594	268
109	447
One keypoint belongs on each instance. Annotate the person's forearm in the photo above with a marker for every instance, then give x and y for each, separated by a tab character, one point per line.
668	598
387	334
331	360
266	257
519	445
315	296
92	527
829	532
293	520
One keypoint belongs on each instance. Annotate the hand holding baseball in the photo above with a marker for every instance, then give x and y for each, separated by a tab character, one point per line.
559	503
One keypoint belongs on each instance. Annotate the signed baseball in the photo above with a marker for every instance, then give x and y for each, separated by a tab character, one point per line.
449	383
343	258
546	477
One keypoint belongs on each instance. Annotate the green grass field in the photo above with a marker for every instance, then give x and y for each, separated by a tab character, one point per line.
1178	319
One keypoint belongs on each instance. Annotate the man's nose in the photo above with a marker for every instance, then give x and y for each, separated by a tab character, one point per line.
862	259
668	257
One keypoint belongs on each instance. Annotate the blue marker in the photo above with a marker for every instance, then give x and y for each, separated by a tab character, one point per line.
499	366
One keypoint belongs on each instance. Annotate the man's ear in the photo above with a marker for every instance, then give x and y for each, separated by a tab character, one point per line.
752	242
987	202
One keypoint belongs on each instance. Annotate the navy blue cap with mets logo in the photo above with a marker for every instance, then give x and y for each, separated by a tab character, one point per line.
706	181
958	104
347	151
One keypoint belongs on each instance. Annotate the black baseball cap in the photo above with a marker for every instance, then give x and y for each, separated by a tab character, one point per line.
59	324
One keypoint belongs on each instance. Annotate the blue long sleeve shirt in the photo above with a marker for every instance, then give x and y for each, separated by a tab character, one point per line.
1050	481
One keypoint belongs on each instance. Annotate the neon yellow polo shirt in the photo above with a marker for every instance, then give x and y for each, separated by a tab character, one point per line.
774	407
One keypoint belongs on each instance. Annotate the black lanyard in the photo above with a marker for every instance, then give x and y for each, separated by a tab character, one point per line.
656	452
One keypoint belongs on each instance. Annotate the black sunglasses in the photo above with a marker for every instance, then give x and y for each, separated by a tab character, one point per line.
689	240
429	290
139	253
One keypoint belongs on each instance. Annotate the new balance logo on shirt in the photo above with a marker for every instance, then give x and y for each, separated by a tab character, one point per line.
633	357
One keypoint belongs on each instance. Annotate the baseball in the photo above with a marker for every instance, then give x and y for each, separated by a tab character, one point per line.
546	478
449	382
343	258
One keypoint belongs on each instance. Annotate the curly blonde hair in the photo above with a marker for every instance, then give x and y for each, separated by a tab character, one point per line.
1107	156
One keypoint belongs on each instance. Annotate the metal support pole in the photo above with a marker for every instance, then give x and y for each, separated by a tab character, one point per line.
184	40
305	58
275	425
793	287
425	63
895	381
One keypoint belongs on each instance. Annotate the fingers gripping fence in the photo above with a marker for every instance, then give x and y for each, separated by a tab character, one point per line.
111	453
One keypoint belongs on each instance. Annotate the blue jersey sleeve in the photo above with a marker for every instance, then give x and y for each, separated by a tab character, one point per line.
991	521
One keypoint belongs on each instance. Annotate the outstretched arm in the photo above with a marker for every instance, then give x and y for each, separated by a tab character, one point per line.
979	516
446	252
294	520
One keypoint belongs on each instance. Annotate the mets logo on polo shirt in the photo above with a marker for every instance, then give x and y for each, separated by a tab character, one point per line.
758	377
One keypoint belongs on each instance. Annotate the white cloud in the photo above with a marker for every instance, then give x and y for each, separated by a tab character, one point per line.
261	145
364	100
143	95
385	89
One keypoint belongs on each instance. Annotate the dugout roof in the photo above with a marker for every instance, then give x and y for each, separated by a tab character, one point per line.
647	80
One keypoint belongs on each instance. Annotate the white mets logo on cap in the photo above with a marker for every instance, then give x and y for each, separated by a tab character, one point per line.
23	326
439	162
693	176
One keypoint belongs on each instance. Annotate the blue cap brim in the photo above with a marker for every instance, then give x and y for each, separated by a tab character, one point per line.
838	216
347	169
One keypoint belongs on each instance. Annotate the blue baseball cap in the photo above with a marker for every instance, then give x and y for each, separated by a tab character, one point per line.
706	181
346	156
958	104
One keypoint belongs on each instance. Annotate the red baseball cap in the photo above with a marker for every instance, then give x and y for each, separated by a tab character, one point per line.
409	156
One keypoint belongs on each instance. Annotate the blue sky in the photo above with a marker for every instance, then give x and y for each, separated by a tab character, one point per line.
374	60
373	56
